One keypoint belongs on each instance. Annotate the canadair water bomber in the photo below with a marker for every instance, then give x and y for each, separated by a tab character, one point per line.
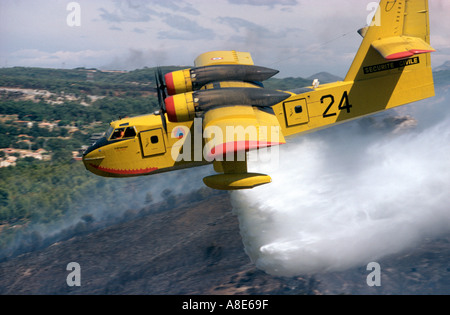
218	110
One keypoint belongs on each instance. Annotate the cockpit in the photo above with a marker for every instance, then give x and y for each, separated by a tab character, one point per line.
126	147
112	135
120	133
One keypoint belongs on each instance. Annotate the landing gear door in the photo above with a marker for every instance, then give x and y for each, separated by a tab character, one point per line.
296	112
152	142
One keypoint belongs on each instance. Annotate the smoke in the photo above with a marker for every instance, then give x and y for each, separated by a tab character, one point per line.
351	194
118	200
137	59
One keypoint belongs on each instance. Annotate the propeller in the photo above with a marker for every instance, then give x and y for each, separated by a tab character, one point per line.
161	90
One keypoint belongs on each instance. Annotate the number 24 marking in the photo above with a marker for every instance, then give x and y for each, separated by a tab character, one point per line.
344	104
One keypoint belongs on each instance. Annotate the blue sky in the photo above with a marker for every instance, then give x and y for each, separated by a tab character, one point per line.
297	37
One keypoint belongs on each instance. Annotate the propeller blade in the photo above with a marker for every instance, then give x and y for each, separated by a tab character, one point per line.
162	109
163	120
162	83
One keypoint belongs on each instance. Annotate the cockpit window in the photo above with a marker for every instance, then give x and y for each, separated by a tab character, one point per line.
123	133
130	132
109	132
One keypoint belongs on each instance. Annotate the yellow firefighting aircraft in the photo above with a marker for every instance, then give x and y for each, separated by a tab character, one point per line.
219	110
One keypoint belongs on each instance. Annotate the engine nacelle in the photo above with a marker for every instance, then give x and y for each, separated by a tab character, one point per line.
180	107
194	79
178	82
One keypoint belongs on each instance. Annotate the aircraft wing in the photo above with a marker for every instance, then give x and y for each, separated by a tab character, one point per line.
225	89
229	133
224	58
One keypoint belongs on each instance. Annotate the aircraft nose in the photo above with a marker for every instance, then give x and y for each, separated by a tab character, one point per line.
88	151
94	155
97	145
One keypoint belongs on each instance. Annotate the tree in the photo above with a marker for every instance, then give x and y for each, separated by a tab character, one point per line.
4	198
5	141
62	155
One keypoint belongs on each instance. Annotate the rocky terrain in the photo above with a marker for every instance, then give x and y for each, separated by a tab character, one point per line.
188	245
197	249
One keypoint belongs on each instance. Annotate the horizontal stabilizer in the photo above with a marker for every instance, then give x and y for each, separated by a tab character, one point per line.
400	47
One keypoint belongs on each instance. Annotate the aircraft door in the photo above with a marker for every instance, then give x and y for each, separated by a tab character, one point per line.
296	112
152	142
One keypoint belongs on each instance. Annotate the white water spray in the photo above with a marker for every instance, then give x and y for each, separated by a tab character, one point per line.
351	194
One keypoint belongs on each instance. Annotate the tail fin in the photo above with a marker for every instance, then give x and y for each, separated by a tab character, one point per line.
391	68
396	49
400	29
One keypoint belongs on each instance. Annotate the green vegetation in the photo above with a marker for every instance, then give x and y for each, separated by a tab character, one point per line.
105	110
39	192
59	118
58	111
81	81
37	199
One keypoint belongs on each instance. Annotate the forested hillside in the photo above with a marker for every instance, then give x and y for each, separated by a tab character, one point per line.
47	117
47	198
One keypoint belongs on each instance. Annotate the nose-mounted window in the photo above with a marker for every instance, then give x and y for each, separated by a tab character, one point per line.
123	133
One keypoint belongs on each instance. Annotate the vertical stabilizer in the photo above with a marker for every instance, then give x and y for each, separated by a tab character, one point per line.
399	30
394	56
391	68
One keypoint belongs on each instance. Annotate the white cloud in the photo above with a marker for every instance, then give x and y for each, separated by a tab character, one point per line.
183	28
269	3
238	24
299	37
139	31
67	59
126	12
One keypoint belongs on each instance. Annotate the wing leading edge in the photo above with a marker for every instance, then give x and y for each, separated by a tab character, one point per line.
230	132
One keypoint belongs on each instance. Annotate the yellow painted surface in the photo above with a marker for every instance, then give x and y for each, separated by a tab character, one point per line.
372	84
224	58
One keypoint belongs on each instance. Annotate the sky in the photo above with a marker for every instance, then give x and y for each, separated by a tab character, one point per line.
297	37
